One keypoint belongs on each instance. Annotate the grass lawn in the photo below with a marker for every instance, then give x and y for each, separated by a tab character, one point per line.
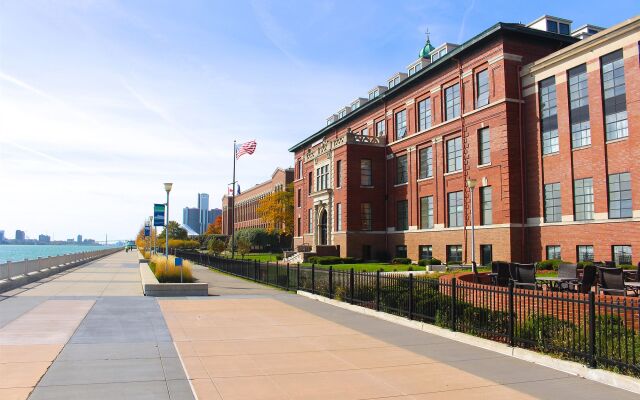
369	267
262	257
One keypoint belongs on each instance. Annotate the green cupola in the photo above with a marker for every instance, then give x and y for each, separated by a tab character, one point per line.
428	48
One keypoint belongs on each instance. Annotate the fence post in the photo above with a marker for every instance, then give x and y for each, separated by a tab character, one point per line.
378	290
298	278
453	304
592	330
331	281
255	270
511	316
313	278
351	286
410	296
288	277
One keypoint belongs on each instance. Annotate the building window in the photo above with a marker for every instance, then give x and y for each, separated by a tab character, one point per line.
486	206
299	169
579	107
339	217
549	116
322	178
402	174
621	254
365	172
482	88
339	173
365	216
310	182
552	203
553	252
583	199
380	128
374	93
486	254
426	162
452	101
585	253
424	114
454	253
401	251
402	215
299	197
620	195
310	220
299	230
426	212
454	155
484	147
401	124
393	82
425	252
364	132
615	99
455	209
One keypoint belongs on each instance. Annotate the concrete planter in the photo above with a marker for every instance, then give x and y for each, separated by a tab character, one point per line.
151	286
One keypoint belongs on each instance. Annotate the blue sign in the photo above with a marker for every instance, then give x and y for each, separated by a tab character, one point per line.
147	231
158	215
178	262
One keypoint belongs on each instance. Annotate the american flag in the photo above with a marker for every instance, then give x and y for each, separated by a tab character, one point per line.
245	148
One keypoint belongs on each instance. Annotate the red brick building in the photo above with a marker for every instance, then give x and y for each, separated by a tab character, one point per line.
390	175
246	203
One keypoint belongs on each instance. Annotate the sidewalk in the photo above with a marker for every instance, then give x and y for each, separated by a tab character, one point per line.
88	334
282	346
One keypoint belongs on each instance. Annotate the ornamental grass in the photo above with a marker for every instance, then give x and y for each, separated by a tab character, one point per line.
170	273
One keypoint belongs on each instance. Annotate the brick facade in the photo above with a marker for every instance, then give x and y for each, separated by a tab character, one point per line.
513	173
246	203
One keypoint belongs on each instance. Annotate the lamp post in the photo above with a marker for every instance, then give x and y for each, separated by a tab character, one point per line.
167	188
471	184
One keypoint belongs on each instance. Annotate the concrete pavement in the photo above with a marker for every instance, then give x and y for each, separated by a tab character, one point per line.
89	334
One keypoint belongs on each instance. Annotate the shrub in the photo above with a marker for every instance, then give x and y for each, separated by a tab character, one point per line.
279	257
454	262
166	273
581	264
549	265
325	260
433	261
401	260
215	246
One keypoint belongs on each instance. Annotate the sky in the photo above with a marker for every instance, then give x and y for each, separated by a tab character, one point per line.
103	101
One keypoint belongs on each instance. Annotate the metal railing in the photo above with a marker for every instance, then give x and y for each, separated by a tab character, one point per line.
12	269
598	330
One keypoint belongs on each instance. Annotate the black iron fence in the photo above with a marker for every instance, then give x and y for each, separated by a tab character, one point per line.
600	331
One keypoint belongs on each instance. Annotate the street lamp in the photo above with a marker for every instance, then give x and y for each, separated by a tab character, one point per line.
471	183
167	188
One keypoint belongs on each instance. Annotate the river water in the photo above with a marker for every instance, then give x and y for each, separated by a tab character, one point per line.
15	252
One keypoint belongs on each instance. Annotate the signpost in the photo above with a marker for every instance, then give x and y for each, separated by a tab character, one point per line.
158	214
147	231
178	262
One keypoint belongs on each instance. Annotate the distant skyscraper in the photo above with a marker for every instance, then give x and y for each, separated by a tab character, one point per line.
1	236
20	235
44	238
213	214
79	238
191	218
203	206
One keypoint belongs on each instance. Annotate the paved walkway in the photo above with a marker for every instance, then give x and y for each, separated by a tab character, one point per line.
89	334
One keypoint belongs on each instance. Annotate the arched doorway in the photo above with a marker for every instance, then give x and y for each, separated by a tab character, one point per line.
322	228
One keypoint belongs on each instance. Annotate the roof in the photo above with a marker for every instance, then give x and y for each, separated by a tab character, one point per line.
425	72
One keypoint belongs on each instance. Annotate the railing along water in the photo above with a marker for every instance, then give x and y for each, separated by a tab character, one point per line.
598	330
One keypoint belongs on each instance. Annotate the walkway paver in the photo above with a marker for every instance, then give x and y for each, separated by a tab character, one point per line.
119	347
282	346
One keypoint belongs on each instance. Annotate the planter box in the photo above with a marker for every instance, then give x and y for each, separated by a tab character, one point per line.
151	286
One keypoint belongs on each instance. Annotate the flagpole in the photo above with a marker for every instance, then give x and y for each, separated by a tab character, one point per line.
233	204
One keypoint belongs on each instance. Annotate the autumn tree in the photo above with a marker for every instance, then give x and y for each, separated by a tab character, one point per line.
215	228
276	210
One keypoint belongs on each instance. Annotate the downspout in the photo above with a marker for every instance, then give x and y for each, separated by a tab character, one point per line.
386	185
465	155
523	187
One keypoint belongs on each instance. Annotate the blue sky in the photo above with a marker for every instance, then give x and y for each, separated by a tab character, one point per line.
103	101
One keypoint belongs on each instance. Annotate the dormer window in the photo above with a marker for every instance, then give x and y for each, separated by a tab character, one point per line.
557	27
396	79
393	82
552	24
342	113
357	103
374	93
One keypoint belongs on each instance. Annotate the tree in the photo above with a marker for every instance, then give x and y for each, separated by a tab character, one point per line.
244	246
175	232
216	246
276	210
215	228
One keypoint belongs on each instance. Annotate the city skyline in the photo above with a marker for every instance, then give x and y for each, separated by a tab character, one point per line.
133	98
